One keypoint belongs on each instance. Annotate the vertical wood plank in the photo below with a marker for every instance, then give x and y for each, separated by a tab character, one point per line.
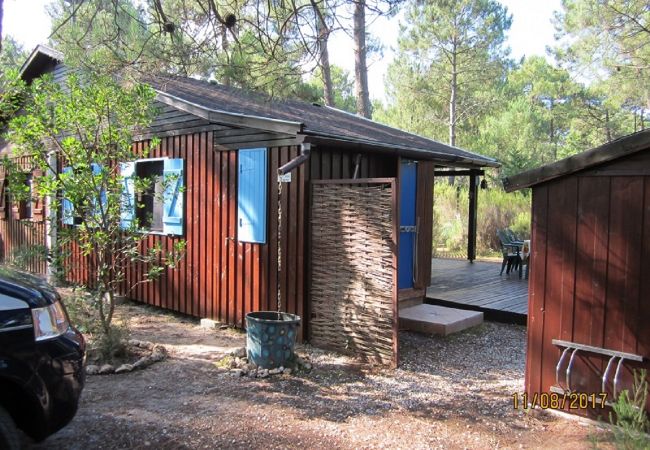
210	224
203	231
535	356
190	223
284	248
179	281
273	232
591	270
625	228
233	306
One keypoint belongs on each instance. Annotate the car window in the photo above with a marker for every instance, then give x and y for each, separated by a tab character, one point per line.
14	314
8	303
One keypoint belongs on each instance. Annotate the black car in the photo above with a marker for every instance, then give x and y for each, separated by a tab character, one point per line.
41	359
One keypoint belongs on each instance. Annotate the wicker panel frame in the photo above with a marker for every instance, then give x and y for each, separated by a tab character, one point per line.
354	268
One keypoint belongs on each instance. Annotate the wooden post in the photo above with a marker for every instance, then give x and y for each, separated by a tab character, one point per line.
473	209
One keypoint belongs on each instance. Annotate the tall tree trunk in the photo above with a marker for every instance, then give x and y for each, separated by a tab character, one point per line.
608	128
1	14
323	54
224	47
453	97
642	117
453	100
360	63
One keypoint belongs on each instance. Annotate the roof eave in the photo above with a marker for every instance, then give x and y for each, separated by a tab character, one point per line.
401	150
230	118
38	51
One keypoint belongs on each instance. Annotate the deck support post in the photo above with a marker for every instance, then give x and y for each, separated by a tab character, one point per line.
473	210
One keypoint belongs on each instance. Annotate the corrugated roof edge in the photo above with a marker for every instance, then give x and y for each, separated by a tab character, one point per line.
623	146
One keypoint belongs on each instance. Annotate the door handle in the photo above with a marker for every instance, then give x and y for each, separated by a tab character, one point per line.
408	229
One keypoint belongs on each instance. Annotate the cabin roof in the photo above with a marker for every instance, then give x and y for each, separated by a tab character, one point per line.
223	104
314	120
624	146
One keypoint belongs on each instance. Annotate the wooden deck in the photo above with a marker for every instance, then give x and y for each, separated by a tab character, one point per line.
478	287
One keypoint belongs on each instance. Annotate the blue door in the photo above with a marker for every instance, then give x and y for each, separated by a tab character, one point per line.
407	229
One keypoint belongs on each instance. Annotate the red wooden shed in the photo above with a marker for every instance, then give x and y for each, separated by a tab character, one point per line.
589	291
356	200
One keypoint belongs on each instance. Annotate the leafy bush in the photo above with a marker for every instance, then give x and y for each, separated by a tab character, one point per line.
105	347
23	257
496	209
630	416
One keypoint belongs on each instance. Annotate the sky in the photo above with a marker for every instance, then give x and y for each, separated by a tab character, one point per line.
530	34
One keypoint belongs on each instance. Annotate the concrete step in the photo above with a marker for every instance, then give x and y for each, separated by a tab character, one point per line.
434	319
409	302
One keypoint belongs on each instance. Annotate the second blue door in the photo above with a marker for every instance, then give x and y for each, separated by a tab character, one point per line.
408	226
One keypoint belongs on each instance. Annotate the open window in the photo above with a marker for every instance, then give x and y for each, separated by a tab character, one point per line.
149	207
159	207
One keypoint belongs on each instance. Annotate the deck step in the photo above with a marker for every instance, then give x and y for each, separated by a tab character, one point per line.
434	319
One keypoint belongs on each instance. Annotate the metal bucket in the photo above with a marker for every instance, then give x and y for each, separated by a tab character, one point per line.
270	337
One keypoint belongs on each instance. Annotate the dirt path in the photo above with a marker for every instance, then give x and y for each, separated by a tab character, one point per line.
453	392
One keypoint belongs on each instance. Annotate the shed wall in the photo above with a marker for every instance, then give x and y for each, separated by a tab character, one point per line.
590	272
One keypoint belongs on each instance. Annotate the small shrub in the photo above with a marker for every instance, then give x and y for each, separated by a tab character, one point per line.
24	257
630	417
521	225
102	346
112	345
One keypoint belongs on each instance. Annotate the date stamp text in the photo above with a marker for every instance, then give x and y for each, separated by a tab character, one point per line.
552	400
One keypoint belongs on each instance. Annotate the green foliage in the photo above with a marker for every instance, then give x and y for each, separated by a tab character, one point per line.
461	57
269	48
89	120
630	417
342	85
607	40
24	256
496	209
12	55
112	345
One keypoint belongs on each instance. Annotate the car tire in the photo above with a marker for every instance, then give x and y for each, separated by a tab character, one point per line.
9	438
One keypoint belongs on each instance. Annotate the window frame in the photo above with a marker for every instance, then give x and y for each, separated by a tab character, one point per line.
162	232
135	212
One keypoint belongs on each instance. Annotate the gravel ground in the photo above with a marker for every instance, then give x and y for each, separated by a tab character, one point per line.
453	392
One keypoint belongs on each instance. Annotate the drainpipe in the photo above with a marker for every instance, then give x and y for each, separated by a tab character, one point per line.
305	150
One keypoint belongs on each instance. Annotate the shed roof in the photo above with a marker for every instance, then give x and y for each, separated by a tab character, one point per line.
223	104
624	146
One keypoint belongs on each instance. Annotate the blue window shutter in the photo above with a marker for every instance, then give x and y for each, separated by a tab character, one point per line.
68	210
127	171
251	195
173	197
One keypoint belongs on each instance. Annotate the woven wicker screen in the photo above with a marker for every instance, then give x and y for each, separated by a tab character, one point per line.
352	284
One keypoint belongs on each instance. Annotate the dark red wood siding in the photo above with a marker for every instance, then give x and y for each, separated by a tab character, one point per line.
590	271
224	279
19	234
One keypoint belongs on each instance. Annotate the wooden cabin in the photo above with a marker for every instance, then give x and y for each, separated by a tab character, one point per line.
589	289
355	200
